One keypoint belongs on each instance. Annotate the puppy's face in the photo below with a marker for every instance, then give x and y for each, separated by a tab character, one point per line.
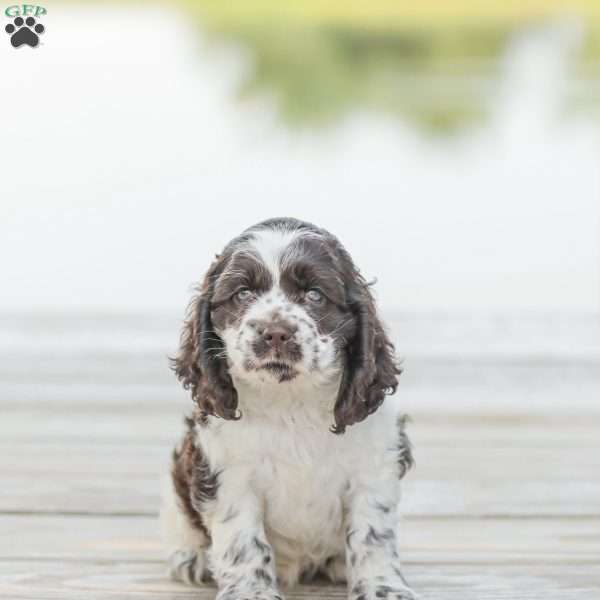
284	303
280	307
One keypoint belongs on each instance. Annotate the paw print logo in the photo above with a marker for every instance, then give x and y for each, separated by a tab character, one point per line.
24	31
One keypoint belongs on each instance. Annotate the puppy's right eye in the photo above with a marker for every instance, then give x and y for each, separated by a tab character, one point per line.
243	294
315	295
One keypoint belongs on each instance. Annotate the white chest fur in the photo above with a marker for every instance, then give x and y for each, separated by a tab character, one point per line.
302	474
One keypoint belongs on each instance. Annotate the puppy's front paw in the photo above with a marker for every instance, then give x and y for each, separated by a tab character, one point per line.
189	566
367	590
247	592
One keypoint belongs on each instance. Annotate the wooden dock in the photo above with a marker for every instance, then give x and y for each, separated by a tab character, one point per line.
503	504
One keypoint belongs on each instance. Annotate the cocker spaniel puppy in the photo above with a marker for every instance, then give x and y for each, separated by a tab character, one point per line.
283	351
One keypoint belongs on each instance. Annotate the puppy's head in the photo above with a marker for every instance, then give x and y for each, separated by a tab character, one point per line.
283	304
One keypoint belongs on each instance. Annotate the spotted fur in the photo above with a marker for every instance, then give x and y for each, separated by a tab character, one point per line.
281	476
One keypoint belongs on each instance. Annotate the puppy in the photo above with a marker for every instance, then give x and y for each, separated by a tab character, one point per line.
282	351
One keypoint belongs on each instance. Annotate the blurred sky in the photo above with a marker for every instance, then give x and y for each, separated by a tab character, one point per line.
128	161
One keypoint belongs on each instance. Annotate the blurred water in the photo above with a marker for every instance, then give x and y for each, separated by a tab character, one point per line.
127	165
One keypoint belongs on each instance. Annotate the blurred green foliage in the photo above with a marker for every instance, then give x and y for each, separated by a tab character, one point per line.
434	62
317	74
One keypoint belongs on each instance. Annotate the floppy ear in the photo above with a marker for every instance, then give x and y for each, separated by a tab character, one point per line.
370	370
200	365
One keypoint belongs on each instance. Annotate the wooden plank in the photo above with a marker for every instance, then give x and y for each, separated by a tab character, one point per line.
92	422
447	481
428	386
110	580
452	365
426	540
517	481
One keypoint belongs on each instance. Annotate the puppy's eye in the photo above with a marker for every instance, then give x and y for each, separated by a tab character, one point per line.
314	295
243	294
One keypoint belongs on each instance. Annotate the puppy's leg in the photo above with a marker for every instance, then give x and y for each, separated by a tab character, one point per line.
372	545
185	543
241	558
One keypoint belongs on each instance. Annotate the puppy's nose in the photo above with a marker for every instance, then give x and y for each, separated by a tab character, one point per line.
276	335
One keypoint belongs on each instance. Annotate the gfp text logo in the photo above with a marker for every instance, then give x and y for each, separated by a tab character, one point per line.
24	29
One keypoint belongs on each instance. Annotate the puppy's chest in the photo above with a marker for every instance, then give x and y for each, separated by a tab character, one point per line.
302	477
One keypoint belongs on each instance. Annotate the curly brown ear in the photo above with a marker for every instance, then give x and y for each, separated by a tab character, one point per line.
200	365
370	370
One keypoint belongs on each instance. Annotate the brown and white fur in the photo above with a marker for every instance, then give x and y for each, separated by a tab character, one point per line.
283	351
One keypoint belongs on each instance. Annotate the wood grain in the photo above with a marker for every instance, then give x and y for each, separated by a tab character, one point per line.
116	580
447	481
504	502
424	540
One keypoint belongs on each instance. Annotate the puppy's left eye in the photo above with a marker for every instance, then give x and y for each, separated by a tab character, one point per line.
243	294
315	295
